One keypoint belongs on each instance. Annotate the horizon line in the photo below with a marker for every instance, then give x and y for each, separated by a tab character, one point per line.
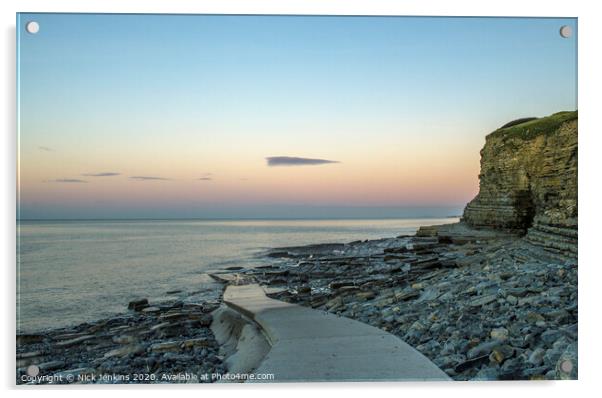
238	218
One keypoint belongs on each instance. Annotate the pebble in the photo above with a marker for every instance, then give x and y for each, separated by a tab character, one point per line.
125	350
202	342
500	334
500	353
165	346
127	344
32	354
51	365
125	339
159	326
483	300
536	357
486	309
550	336
482	349
77	340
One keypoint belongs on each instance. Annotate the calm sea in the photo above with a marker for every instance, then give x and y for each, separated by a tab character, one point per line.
75	271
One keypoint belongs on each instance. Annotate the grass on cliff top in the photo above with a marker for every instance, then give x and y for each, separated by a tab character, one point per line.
535	127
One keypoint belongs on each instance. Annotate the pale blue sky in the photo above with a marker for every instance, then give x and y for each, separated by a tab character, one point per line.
160	92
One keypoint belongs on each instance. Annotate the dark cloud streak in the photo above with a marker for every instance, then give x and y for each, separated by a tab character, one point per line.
69	180
149	178
296	161
104	174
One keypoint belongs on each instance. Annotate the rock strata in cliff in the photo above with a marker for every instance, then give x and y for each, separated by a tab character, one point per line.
528	182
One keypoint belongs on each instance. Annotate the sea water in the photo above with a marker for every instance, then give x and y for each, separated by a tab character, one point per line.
70	272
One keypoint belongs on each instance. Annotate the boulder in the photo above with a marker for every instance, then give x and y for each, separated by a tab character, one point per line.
138	305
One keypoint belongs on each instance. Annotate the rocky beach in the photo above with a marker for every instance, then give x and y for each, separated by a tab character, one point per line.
162	343
481	307
492	297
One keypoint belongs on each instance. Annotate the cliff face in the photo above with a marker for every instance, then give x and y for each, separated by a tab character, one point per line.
528	182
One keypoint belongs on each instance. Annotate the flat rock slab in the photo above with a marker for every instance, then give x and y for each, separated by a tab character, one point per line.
231	278
312	345
461	232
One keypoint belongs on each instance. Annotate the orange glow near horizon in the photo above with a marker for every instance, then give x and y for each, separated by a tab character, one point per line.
400	105
368	175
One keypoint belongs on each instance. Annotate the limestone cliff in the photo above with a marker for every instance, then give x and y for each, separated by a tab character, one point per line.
528	181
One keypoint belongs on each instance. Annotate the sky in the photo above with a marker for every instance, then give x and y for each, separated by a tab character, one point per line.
190	116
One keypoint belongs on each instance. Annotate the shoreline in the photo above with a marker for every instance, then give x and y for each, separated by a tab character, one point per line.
141	262
454	297
480	304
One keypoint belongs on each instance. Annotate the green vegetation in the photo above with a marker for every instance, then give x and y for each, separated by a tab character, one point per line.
517	122
527	130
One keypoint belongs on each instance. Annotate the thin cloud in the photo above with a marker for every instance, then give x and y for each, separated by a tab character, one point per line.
205	177
69	180
45	148
104	174
295	161
149	178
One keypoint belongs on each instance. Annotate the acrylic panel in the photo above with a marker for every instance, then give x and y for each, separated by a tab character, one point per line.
263	198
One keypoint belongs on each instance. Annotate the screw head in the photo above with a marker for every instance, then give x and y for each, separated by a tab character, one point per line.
33	370
566	366
32	27
566	31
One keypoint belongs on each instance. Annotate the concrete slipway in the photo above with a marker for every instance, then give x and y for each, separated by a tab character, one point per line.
311	345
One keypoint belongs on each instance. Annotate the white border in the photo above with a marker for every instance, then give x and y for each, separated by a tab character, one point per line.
590	360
